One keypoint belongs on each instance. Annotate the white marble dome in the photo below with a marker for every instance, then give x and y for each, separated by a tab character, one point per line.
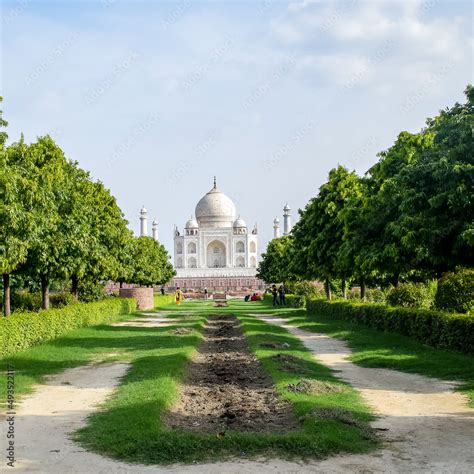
215	208
239	222
192	224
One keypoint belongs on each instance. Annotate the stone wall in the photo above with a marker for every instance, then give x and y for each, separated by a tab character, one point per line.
143	296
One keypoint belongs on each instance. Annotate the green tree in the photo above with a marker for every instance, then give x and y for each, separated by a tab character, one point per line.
17	215
276	263
151	265
320	232
436	208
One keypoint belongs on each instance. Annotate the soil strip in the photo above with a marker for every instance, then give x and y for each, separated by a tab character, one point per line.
226	388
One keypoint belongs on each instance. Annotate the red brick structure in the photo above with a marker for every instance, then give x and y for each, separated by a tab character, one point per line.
230	283
143	297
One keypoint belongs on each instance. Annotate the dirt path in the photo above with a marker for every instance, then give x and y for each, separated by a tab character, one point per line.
429	426
226	388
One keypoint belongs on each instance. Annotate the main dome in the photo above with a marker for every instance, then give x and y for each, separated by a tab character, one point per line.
215	209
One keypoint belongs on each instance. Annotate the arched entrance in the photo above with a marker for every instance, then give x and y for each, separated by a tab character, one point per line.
216	254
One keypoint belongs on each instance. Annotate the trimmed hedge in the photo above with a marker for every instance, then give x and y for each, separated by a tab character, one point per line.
435	328
25	329
160	299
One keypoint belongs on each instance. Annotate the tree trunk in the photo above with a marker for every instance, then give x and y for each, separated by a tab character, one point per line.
75	286
362	288
6	294
396	279
344	291
45	292
121	284
327	287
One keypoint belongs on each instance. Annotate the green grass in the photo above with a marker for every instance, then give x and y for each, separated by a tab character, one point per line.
373	348
129	427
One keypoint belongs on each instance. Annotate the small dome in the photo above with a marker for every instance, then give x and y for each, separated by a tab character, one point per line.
155	223
143	210
287	208
276	220
192	224
239	222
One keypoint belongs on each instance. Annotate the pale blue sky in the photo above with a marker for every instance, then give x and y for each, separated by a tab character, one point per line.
154	98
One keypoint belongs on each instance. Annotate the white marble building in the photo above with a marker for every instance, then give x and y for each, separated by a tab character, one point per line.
216	248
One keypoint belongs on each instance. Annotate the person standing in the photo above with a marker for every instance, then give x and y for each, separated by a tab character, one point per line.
206	294
275	295
281	293
178	296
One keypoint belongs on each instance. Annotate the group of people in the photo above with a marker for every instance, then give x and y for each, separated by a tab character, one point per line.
279	295
254	297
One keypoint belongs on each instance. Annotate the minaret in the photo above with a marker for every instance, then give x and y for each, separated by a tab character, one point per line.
276	228
154	230
143	222
286	219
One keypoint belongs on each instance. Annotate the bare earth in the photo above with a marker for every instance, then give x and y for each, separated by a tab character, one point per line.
430	428
221	380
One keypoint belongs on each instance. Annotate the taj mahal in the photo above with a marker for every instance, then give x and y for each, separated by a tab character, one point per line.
216	249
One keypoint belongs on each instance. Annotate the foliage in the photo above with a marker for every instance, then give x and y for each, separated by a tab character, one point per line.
61	299
151	264
275	265
24	300
25	329
412	295
456	291
89	291
307	289
435	328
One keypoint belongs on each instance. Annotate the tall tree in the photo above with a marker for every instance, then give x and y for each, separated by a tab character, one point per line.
17	214
276	263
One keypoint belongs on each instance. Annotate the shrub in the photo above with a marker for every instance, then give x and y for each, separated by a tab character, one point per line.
91	291
25	329
163	299
307	289
295	301
456	291
435	328
61	299
23	300
412	295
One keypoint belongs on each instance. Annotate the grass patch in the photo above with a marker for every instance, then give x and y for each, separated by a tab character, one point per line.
129	427
377	349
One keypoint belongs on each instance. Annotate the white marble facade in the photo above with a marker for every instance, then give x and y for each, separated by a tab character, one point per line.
216	243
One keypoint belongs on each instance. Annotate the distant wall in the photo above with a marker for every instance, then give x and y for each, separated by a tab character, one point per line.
143	296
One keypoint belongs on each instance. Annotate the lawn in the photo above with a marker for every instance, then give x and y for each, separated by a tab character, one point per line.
129	427
373	348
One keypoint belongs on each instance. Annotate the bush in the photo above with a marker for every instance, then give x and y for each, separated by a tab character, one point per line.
456	291
91	291
436	328
23	300
61	299
25	329
412	295
307	289
295	301
160	299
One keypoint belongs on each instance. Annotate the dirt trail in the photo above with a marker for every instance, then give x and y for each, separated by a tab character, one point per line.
226	388
429	427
